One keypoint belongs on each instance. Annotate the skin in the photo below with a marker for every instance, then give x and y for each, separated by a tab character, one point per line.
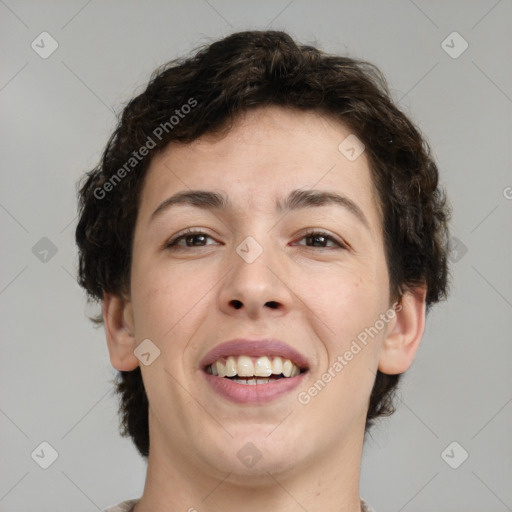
323	296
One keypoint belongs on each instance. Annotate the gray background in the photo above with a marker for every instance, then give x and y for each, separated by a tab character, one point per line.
56	116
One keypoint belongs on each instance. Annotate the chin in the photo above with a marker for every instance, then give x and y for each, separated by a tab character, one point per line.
254	453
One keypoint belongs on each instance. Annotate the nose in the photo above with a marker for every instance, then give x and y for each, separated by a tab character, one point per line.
257	282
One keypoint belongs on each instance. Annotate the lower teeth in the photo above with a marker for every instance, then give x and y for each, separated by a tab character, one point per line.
253	381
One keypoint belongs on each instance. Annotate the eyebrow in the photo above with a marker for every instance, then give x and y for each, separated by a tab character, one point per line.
296	200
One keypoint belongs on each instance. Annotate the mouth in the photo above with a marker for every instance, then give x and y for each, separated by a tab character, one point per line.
253	370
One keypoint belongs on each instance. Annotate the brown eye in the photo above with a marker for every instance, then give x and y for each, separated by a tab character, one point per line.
320	239
192	239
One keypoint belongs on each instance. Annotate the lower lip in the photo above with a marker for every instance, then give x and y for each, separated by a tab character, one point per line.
257	393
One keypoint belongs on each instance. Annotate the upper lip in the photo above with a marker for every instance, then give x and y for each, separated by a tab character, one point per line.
255	348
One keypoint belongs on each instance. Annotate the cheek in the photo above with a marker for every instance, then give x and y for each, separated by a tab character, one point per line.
345	295
346	312
165	298
347	303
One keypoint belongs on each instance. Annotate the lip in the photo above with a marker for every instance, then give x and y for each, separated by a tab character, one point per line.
243	393
254	348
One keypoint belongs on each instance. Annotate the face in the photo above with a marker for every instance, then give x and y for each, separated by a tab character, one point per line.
311	276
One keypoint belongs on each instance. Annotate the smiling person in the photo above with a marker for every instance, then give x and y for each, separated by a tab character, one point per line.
266	234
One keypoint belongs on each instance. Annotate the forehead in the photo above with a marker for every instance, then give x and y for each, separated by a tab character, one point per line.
265	154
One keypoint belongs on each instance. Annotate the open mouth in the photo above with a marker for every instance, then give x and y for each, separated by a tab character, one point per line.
254	370
250	371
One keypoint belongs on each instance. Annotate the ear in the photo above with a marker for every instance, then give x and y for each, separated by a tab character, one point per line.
119	330
403	339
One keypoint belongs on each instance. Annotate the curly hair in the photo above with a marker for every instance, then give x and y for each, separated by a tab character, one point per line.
204	93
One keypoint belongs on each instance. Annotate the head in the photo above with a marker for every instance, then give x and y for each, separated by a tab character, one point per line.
257	118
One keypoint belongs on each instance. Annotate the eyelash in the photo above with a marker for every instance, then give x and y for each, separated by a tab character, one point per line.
172	244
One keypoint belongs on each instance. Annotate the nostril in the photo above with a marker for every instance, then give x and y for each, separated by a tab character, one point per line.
236	303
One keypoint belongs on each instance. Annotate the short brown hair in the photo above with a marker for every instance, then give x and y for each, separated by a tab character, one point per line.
220	81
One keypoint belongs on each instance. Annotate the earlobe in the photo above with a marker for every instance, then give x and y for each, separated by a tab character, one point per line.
403	340
119	331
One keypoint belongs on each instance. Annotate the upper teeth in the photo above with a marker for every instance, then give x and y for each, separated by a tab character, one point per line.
245	366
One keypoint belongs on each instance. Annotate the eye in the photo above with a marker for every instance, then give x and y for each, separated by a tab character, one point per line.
321	237
189	236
